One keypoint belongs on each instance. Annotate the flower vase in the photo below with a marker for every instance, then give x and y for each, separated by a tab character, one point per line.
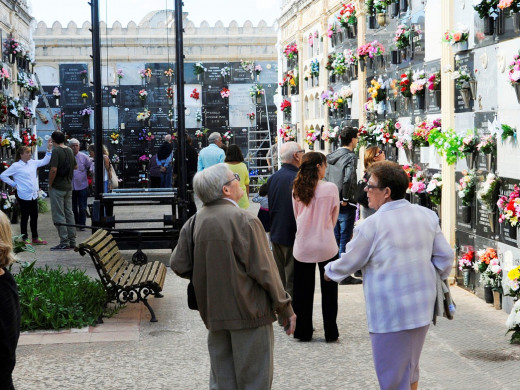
381	19
27	123
394	10
466	214
311	146
362	65
516	21
437	97
488	294
84	81
198	77
6	83
488	25
354	70
407	103
57	101
512	232
492	218
381	108
473	88
258	77
12	58
497	300
403	5
404	53
489	162
258	99
32	95
200	144
227	143
143	167
113	100
170	102
396	57
471	158
466	96
517	91
353	29
372	23
349	102
84	100
466	276
460	46
420	101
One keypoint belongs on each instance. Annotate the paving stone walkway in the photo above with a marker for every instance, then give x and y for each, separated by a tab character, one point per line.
129	352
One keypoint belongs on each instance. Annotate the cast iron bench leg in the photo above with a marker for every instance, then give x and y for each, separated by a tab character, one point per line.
153	319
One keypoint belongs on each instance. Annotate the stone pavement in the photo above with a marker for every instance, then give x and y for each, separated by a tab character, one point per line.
129	352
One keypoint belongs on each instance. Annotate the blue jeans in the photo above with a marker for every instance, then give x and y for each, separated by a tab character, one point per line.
166	177
79	206
345	226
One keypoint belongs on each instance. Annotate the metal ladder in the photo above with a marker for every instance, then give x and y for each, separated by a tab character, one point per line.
259	143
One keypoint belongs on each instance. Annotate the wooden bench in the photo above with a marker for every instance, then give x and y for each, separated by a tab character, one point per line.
124	282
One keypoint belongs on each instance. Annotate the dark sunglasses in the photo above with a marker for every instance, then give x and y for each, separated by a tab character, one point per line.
379	153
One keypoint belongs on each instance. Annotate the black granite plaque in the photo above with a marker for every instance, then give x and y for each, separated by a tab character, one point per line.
158	77
213	75
129	95
72	96
47	90
70	75
460	224
73	121
239	75
465	59
505	189
211	96
216	117
433	98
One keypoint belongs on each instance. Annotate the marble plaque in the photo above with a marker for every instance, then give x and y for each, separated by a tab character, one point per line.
238	116
131	73
239	95
48	75
189	101
239	75
269	72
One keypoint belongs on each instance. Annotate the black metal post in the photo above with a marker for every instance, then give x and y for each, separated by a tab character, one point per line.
98	107
181	126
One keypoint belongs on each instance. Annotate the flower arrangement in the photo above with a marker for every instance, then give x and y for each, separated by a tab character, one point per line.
434	81
143	116
4	73
418	183
447	143
115	159
463	77
467	260
422	130
385	132
513	4
168	72
338	65
402	36
225	71
285	107
307	75
198	68
57	118
256	89
350	57
145	135
514	70
332	30
366	134
508	131
199	134
330	135
120	74
418	82
469	143
224	93
114	92
405	84
11	46
169	93
485	7
489	268
248	66
290	51
513	283
460	34
287	133
315	68
513	323
83	74
198	116
434	189
56	93
84	95
114	138
377	90
86	112
195	94
251	116
487	194
380	5
488	144
27	113
370	50
347	15
369	105
404	135
31	140
466	187
145	73
144	158
258	69
311	136
227	136
509	207
143	94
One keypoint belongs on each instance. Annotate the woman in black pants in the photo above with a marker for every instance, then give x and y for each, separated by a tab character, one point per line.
24	173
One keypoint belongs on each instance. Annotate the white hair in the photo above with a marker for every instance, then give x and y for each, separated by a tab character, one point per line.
214	137
208	183
287	151
73	141
167	137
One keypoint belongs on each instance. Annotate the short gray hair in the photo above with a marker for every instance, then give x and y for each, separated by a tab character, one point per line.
209	182
167	138
73	141
214	137
288	149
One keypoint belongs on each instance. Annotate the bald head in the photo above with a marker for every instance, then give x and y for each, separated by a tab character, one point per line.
290	153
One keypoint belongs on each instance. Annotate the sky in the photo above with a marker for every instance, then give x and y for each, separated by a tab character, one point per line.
126	10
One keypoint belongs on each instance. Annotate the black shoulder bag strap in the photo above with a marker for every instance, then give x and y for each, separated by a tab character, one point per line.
192	299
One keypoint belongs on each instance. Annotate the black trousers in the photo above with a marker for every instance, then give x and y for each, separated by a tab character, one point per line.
28	209
303	299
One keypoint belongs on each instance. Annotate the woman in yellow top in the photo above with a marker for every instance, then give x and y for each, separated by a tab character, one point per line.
235	162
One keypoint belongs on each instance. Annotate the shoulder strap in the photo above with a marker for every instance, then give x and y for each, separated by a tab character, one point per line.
193	244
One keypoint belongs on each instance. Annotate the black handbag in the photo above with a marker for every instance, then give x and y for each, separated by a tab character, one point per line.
192	299
361	194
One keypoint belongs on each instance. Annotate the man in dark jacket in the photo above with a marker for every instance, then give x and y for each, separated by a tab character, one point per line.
283	223
341	170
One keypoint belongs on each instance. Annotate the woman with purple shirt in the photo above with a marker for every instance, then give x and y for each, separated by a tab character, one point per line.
316	209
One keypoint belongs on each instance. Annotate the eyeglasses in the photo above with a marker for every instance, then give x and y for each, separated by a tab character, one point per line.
236	177
371	187
301	151
379	153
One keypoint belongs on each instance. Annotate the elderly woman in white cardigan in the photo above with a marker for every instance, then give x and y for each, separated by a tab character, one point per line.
399	248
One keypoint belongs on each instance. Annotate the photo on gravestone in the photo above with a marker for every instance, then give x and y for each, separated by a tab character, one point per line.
464	66
506	188
464	213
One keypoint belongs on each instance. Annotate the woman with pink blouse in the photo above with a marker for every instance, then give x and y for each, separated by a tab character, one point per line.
316	208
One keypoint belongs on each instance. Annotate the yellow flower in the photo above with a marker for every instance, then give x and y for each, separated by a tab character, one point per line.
340	100
292	83
514	273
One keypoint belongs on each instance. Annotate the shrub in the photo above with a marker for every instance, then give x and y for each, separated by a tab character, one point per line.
55	299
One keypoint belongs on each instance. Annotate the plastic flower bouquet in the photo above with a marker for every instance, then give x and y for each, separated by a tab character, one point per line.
513	283
434	189
418	83
488	144
168	72
291	51
405	84
487	194
199	68
370	50
251	116
195	94
466	187
469	143
385	132
377	90
114	92
402	36
143	94
514	69
460	34
434	81
285	107
86	112
447	143
509	207
311	136
199	134
513	4
366	134
484	257
513	323
224	93
169	92
463	77
145	135
142	116
56	93
347	15
256	89
114	138
350	57
225	71
418	183
466	261
330	135
404	136
227	135
286	133
489	268
120	74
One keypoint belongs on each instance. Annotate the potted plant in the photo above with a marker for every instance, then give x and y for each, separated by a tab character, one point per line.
509	207
466	188
484	257
458	38
434	86
514	74
487	195
56	94
488	146
466	264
